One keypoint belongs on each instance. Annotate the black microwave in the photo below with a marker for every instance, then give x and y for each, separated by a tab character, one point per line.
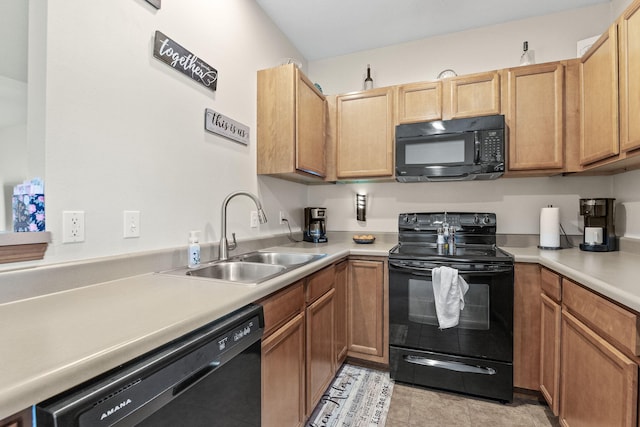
451	150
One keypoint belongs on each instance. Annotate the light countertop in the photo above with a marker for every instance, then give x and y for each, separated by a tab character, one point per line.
53	342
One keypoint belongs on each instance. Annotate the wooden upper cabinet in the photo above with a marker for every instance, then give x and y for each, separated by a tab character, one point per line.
471	95
629	82
365	134
535	117
417	102
599	113
291	125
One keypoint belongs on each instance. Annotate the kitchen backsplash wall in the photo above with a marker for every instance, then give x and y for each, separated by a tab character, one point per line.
516	201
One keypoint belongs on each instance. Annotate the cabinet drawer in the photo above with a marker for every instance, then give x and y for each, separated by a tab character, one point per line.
282	306
319	284
607	318
551	284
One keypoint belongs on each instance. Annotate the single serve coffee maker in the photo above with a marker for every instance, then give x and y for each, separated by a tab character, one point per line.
315	225
599	231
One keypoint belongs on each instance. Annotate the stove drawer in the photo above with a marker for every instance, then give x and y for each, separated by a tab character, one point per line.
477	377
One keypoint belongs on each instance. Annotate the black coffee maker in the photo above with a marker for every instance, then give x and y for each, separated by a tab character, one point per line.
599	232
315	226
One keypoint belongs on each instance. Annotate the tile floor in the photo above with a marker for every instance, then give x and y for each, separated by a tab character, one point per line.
413	407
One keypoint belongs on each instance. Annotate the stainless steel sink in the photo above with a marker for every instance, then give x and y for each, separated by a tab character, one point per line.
279	258
236	271
250	268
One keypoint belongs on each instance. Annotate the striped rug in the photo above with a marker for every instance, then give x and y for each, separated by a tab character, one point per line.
358	397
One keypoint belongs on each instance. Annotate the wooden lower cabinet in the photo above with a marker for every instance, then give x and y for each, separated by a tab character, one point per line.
340	334
526	326
550	313
321	360
21	419
283	376
368	309
599	385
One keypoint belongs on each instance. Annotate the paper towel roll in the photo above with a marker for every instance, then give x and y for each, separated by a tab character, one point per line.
550	228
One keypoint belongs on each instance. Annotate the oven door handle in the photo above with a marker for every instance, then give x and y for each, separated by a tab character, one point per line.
428	270
414	269
450	366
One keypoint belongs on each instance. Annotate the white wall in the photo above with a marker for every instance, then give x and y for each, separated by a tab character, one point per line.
13	101
517	201
552	37
626	188
126	132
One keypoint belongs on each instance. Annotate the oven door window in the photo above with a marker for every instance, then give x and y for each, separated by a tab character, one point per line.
486	323
422	306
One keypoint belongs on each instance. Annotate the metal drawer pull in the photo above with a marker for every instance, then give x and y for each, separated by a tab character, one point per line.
451	366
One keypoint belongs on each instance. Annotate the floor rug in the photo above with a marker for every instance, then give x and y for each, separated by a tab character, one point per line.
358	397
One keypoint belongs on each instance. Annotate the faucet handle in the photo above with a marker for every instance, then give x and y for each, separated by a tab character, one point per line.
231	246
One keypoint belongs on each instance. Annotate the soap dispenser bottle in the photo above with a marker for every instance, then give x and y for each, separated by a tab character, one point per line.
194	250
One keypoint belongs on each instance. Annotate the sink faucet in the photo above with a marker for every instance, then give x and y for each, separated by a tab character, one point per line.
224	246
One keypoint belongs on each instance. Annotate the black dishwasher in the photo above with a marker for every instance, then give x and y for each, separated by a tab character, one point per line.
209	377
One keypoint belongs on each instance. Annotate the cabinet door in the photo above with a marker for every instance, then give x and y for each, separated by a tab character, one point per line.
321	360
419	102
291	115
365	134
599	384
21	419
599	113
629	82
310	127
472	95
550	352
535	117
341	312
368	311
283	376
526	326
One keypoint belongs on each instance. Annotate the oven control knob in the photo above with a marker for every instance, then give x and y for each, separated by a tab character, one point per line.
476	219
486	220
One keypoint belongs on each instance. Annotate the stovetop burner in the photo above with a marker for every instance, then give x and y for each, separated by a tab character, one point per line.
474	237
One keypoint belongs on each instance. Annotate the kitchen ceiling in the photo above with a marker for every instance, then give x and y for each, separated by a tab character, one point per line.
326	28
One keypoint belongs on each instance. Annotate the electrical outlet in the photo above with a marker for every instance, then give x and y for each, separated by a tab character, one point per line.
131	224
283	216
254	219
72	226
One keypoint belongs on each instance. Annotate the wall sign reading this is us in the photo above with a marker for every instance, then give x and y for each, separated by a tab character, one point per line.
222	125
179	58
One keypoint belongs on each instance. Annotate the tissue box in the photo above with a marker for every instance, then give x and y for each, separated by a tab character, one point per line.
28	212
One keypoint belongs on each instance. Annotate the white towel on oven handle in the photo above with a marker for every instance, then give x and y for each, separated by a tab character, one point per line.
449	289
